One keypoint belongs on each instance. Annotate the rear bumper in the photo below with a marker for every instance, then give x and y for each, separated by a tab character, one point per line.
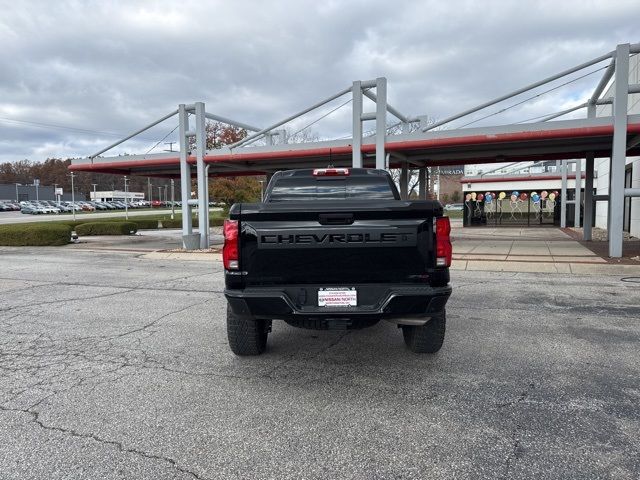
375	302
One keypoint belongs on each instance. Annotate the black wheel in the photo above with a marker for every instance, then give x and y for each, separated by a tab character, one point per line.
429	337
247	336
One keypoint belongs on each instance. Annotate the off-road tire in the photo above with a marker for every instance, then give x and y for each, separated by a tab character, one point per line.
247	336
427	338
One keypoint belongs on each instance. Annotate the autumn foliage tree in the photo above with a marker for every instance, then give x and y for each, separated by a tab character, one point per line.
230	190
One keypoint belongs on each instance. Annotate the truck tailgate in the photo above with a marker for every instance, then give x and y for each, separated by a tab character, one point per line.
331	244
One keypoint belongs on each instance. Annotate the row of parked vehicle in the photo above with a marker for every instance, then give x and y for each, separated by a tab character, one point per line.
47	206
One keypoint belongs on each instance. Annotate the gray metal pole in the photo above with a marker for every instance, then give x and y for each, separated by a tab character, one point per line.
228	121
381	120
126	198
37	191
17	196
564	112
150	191
206	191
185	171
563	196
73	197
169	115
393	111
94	191
619	151
608	73
173	199
578	191
519	91
589	204
356	143
257	135
404	182
203	208
422	183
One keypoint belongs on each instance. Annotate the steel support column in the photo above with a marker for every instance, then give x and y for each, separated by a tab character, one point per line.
589	205
578	190
422	183
185	170
619	151
381	120
404	182
356	144
563	196
203	207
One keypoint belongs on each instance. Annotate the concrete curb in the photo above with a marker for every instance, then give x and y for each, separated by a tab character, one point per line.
189	256
546	267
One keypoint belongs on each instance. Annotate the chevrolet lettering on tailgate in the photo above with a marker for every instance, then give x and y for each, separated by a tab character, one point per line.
337	239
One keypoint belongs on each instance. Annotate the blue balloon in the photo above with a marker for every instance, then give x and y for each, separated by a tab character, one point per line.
488	197
516	193
535	198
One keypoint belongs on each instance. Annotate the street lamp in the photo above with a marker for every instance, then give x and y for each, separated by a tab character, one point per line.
94	191
173	203
126	204
73	197
18	196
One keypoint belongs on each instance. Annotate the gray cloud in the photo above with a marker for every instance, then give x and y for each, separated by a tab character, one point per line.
114	66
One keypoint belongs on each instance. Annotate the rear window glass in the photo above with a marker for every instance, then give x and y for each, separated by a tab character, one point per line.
351	188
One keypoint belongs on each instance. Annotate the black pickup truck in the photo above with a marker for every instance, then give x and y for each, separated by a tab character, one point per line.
336	248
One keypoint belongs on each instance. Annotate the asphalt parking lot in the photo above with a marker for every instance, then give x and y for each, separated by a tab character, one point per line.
114	365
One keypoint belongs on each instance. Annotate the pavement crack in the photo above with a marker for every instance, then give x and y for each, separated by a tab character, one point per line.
523	396
68	300
514	453
154	322
35	418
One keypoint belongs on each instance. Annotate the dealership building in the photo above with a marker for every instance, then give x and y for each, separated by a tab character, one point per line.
546	176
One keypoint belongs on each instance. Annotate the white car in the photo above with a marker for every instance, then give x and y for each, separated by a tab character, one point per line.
454	207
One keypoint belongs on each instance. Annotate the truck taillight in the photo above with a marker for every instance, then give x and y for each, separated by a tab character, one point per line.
330	172
443	242
230	249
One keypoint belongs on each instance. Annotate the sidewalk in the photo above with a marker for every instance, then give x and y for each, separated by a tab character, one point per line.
530	249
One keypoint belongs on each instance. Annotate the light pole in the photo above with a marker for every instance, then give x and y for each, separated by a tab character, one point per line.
94	191
149	186
126	204
173	203
36	182
18	196
165	194
73	197
160	194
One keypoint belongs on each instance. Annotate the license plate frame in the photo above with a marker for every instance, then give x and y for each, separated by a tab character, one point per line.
337	297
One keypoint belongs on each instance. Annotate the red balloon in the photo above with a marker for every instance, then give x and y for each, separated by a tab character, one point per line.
523	196
480	197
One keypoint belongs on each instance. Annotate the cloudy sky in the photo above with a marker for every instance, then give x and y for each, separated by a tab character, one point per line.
77	74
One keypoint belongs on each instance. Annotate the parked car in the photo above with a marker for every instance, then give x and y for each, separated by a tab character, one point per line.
454	207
